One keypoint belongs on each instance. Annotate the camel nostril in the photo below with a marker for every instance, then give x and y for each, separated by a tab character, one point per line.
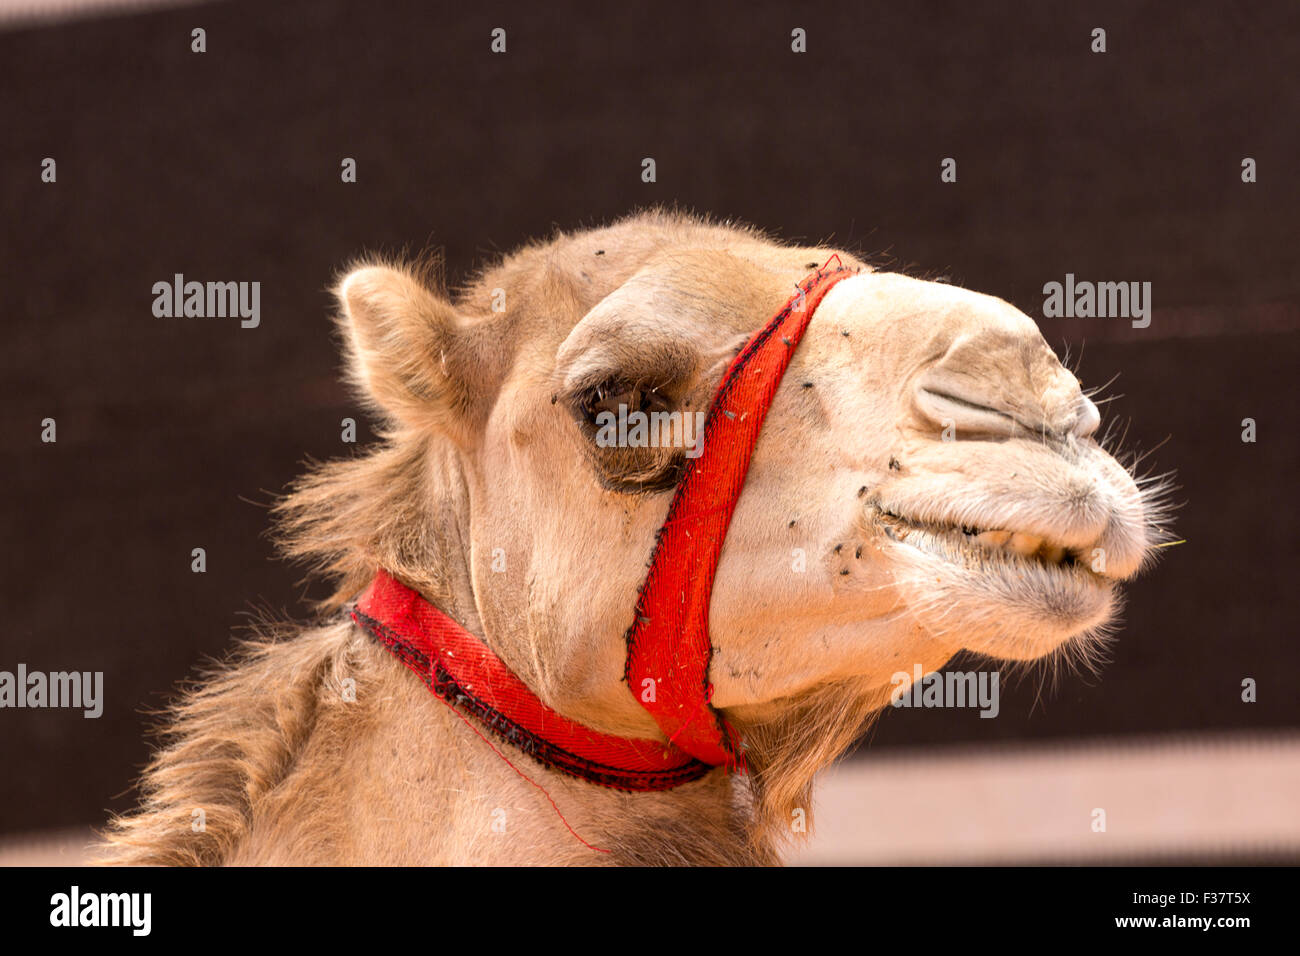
1087	420
970	415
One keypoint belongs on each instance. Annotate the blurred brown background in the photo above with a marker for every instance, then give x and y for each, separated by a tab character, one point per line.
175	434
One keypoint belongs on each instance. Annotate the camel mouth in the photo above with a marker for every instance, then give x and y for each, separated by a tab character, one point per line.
986	549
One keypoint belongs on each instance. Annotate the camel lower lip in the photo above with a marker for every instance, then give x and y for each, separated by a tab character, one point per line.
979	548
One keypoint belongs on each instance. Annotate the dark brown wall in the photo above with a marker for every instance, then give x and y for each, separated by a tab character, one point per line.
175	434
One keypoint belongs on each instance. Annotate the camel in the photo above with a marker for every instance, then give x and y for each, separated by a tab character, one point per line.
927	480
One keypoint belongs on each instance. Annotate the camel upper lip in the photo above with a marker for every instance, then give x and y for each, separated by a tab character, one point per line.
958	541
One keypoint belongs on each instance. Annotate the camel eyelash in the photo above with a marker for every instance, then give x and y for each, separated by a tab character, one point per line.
613	394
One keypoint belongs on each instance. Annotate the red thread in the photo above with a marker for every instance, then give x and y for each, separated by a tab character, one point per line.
526	777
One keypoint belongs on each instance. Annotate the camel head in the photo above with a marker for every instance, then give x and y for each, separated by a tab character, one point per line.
928	479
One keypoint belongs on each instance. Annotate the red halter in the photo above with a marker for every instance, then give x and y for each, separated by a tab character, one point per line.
669	649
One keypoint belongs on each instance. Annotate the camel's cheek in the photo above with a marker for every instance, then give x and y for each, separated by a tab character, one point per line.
794	607
556	562
774	661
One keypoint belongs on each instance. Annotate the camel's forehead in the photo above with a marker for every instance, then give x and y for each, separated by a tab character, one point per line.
695	290
661	249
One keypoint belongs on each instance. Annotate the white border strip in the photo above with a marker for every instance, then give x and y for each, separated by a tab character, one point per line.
1183	799
1187	799
16	14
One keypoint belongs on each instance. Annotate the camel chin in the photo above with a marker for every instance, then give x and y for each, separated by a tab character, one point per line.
1005	604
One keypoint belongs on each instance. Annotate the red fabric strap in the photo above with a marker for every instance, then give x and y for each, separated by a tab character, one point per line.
669	648
463	671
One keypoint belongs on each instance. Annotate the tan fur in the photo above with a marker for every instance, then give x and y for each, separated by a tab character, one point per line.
485	455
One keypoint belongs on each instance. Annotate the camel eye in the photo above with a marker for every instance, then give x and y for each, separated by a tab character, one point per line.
635	435
621	399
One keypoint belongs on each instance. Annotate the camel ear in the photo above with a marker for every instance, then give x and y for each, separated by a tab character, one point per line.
405	345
